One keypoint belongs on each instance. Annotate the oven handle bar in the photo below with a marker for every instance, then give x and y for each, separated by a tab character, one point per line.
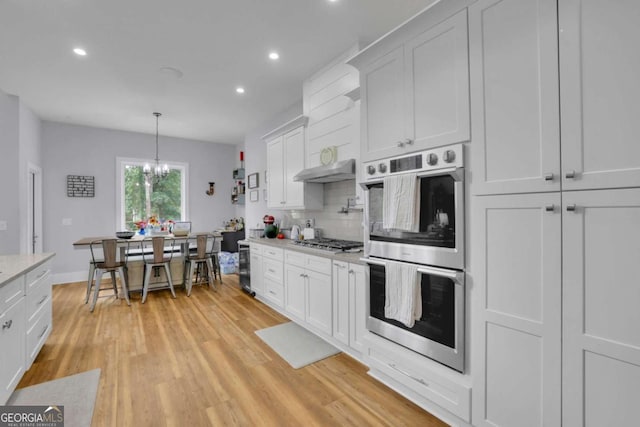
456	173
454	275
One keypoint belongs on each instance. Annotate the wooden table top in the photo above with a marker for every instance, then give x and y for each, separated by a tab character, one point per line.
86	241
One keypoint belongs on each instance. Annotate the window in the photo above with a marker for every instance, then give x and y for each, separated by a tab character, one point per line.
140	198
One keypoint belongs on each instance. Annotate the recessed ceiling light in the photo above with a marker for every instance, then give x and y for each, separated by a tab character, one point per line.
333	1
171	72
274	55
80	52
240	89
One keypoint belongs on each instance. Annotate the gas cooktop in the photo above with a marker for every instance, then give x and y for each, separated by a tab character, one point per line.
331	245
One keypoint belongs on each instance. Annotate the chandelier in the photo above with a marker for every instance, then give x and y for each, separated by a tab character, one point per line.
159	171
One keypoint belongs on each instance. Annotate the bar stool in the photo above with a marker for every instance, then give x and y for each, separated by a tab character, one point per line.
107	264
156	259
202	257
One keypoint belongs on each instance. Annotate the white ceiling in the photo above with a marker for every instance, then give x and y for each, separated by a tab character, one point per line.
217	45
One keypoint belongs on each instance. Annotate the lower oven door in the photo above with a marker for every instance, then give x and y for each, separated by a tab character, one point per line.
439	333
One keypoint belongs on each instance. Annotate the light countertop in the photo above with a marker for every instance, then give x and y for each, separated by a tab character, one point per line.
353	257
12	266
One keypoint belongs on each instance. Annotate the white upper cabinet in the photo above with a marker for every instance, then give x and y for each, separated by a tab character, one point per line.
599	69
285	158
514	96
415	94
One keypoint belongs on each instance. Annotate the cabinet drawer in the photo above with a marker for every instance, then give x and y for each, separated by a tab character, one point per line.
319	264
37	273
273	253
38	333
455	398
273	270
274	291
38	296
11	292
255	249
294	258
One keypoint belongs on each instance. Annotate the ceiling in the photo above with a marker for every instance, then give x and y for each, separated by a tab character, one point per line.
134	47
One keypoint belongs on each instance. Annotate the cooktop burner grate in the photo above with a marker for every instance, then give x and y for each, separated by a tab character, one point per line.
335	245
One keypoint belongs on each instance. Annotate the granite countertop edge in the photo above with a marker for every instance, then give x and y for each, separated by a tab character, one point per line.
352	257
13	266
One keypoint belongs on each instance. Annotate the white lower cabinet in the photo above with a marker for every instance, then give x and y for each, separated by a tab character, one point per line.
555	332
308	289
349	304
273	275
600	298
12	336
516	332
257	281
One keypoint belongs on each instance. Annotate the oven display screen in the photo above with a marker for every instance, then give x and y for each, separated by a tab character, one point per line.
406	164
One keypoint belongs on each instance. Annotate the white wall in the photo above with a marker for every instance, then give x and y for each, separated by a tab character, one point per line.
80	150
9	161
30	148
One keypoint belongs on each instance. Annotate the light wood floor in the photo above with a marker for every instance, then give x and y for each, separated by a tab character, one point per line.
196	361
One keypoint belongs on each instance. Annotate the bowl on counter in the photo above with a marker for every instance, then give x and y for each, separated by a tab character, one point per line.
125	234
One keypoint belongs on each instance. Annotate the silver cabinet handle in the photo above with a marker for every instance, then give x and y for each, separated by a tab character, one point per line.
43	331
400	144
351	271
549	208
7	324
571	208
282	202
420	380
570	175
271	292
42	274
408	141
271	270
301	275
340	265
44	297
548	177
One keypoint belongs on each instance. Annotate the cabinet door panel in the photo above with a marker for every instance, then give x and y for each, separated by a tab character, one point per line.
599	70
13	345
341	302
275	167
293	163
601	339
514	92
295	293
516	297
358	301
319	301
256	274
382	84
437	85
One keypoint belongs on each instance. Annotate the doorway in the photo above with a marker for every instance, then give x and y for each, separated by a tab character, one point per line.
34	210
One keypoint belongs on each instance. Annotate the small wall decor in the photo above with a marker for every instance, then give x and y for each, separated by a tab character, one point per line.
253	180
80	186
211	189
253	195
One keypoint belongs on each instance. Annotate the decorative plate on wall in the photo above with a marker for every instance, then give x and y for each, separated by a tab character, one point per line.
328	155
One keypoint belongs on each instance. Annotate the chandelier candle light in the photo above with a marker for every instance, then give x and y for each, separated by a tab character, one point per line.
159	171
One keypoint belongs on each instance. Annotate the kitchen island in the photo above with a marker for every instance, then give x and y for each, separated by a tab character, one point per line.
25	315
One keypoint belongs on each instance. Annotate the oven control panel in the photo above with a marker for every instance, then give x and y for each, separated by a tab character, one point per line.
423	161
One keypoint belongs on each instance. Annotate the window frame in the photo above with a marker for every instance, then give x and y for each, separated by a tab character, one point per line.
122	162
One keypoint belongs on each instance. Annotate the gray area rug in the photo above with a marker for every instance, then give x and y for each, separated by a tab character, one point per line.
77	393
296	345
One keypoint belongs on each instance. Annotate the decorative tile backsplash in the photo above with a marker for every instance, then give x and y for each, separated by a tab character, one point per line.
332	223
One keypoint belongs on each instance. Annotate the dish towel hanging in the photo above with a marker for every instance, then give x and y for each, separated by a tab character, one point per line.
403	295
400	207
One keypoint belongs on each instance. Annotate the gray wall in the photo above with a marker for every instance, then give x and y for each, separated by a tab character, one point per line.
20	142
30	153
79	150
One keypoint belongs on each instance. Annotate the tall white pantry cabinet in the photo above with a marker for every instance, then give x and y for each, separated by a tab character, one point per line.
555	194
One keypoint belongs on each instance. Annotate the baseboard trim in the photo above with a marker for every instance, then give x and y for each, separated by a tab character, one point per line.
72	277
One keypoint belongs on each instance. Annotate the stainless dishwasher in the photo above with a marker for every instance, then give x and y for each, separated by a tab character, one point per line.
244	266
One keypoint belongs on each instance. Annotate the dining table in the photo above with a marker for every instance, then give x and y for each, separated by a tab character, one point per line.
131	250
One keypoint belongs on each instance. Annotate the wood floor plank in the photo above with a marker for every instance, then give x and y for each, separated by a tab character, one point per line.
197	361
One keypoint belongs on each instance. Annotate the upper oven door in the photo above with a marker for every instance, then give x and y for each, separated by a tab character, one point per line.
439	239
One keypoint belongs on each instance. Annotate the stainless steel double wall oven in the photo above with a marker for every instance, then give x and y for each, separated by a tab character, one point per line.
435	245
